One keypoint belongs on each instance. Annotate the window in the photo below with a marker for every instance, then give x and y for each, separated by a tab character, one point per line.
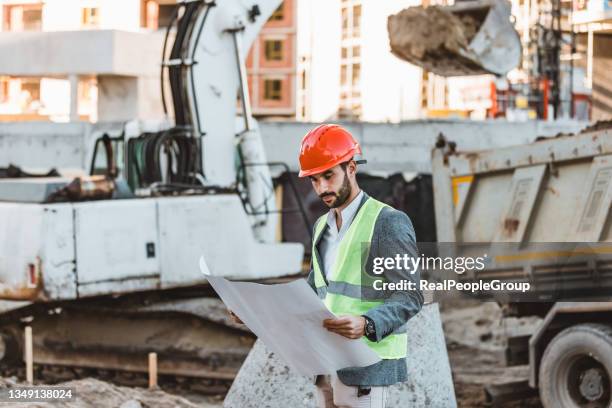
23	17
279	13
90	16
273	50
87	89
32	18
356	74
273	89
356	51
344	18
157	14
344	52
166	11
30	94
343	74
150	14
356	19
4	89
32	87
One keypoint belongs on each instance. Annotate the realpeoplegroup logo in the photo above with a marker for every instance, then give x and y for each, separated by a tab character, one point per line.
451	284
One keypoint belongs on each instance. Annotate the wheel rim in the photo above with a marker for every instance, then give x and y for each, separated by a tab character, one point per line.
584	381
591	384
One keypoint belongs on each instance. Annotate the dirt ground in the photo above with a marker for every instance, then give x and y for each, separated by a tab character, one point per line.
92	393
475	337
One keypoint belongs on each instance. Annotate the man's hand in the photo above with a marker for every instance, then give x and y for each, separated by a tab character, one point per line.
235	318
352	327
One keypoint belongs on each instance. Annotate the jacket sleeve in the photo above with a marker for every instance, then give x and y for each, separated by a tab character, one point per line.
393	235
310	279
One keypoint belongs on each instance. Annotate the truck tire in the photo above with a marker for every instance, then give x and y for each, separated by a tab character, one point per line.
576	368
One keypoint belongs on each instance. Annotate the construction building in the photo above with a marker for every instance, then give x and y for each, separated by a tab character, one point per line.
272	65
73	60
592	23
295	71
341	65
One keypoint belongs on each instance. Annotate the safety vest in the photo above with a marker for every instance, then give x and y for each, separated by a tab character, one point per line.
350	290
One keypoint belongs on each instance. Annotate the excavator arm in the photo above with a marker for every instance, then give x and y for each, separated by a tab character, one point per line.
206	70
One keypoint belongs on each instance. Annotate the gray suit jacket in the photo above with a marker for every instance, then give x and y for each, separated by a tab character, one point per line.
393	234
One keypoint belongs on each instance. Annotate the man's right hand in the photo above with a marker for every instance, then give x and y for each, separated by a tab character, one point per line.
235	318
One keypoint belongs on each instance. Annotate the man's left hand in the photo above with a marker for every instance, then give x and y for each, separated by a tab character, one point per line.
352	327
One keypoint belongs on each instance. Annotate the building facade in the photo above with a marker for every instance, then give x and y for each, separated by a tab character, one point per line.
110	71
76	95
345	67
592	22
272	65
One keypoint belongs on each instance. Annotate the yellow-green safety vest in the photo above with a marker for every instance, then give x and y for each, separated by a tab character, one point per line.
349	290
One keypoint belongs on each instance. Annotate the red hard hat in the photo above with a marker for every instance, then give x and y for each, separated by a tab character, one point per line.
325	147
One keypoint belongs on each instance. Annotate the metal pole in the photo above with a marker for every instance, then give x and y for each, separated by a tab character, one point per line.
572	52
152	371
244	90
29	355
590	39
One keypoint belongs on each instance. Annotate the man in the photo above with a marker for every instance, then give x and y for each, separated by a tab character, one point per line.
357	228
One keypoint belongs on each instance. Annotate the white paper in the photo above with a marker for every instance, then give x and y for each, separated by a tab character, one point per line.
288	318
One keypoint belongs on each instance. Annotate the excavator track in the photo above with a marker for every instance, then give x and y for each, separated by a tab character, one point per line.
197	344
199	348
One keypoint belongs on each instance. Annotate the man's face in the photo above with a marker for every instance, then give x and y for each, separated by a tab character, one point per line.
332	186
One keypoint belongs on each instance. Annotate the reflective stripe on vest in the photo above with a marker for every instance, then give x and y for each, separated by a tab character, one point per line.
349	291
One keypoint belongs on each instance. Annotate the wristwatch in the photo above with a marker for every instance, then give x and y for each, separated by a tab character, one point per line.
370	329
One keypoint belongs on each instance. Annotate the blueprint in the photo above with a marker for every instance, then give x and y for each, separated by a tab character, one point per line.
288	318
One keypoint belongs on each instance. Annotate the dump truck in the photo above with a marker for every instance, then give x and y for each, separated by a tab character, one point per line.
542	212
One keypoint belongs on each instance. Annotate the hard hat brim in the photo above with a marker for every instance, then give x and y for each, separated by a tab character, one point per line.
327	166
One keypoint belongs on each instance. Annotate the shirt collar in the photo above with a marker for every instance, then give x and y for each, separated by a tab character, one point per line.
347	214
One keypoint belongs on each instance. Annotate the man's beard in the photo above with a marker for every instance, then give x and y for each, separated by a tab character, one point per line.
343	194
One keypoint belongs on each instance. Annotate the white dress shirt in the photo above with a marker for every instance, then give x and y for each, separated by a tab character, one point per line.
328	246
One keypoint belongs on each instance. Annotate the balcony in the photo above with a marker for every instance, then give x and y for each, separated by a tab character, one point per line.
125	66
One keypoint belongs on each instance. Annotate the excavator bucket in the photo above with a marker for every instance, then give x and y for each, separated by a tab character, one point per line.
471	37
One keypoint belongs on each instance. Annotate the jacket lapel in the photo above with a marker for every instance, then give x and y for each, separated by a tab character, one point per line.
317	239
317	254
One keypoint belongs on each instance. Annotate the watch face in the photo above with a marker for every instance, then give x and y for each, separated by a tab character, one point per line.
369	327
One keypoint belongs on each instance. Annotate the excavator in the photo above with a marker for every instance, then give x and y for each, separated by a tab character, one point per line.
105	268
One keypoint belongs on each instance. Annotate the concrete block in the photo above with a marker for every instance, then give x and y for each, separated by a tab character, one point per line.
266	381
430	382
